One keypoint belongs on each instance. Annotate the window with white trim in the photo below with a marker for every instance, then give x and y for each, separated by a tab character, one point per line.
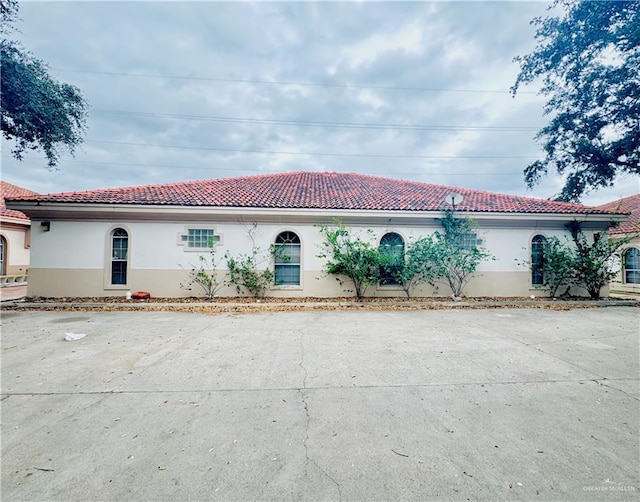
392	248
199	238
119	256
287	259
632	266
537	260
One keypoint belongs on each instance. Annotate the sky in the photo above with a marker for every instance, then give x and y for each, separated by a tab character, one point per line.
183	91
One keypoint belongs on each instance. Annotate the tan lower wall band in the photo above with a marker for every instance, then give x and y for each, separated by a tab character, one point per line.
57	283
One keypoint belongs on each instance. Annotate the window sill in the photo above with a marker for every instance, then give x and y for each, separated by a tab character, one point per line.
197	250
117	287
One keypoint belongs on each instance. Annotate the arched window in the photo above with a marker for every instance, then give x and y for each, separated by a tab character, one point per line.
3	255
537	260
392	249
119	256
287	259
632	266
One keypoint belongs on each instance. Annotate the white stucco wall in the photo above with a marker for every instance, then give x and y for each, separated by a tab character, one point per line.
157	257
77	245
17	258
618	284
155	246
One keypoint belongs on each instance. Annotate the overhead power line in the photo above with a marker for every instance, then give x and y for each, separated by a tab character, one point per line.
316	154
281	82
214	168
305	123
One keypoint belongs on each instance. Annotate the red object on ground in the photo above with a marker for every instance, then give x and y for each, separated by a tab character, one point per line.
140	295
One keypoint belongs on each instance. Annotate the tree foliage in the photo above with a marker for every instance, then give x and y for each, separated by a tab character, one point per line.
417	268
8	15
588	58
451	256
593	260
250	272
558	265
455	255
581	262
245	275
38	112
348	256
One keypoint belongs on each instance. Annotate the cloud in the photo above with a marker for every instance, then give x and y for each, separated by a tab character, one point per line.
195	90
406	38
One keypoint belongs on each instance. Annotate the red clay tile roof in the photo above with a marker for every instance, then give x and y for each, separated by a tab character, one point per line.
9	191
629	204
316	190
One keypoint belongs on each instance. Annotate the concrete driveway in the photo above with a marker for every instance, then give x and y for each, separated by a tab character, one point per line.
453	405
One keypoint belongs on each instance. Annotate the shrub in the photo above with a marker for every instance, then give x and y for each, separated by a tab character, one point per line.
205	274
350	257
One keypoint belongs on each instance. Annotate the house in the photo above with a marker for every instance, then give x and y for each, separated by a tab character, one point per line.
107	242
15	233
628	280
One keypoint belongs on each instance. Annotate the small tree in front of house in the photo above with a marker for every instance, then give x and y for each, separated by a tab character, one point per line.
454	253
581	262
592	268
250	272
205	273
418	267
557	265
348	256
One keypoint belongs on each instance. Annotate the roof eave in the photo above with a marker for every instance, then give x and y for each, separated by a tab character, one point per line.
93	211
18	221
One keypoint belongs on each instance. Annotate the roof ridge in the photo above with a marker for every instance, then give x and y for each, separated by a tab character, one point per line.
620	201
315	190
172	183
471	190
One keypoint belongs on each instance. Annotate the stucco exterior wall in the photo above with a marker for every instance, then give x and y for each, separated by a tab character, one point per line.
17	253
72	258
619	284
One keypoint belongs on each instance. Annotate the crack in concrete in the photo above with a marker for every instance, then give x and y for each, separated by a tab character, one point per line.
301	363
324	387
307	458
600	382
573	340
537	346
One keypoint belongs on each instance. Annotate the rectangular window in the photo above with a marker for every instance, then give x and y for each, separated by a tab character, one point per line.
287	275
537	260
199	238
119	256
120	246
287	265
632	266
119	272
468	241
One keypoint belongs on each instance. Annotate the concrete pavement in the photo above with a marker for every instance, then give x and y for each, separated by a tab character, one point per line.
522	404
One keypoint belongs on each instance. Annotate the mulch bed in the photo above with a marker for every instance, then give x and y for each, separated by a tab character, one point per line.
272	299
271	304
